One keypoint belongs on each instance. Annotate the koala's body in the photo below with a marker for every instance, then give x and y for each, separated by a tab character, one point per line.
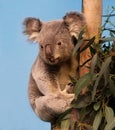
50	81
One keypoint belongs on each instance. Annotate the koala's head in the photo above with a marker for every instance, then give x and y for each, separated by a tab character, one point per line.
56	38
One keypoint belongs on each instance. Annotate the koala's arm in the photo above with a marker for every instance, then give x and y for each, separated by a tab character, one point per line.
33	91
39	102
46	107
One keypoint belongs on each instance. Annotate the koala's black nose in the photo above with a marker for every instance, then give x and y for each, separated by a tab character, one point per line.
49	50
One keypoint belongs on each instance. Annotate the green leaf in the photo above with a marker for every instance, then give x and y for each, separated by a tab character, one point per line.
77	46
108	39
97	106
110	125
64	115
113	31
106	76
97	120
111	23
79	42
103	69
91	41
83	113
111	34
92	50
81	35
93	64
109	114
112	87
65	124
81	83
82	101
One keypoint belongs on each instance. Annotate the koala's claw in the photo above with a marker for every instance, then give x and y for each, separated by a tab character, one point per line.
70	84
69	88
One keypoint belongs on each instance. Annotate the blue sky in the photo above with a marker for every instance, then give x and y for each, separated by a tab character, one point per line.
17	57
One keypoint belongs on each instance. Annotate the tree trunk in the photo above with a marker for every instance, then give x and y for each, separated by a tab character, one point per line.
92	10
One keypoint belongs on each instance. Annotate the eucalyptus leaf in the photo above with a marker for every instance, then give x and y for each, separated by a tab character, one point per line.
111	22
91	41
81	83
106	76
103	69
108	39
80	35
83	113
111	34
112	86
97	120
82	101
77	46
92	50
65	121
93	63
109	114
110	125
64	115
65	124
97	106
113	31
79	42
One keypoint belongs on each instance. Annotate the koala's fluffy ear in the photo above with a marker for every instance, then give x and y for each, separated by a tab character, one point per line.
75	22
32	27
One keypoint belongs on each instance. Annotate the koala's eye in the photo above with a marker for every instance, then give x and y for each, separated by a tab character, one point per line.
59	43
41	46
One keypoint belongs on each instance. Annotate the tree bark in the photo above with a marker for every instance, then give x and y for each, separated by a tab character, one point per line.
92	10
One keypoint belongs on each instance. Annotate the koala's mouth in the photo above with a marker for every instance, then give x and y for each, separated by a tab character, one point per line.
53	60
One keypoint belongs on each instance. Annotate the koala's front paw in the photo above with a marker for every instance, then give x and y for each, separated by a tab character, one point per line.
72	95
69	88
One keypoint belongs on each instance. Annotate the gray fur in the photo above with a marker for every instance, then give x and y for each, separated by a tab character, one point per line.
50	75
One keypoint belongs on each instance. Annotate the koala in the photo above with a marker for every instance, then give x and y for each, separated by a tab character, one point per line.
50	82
